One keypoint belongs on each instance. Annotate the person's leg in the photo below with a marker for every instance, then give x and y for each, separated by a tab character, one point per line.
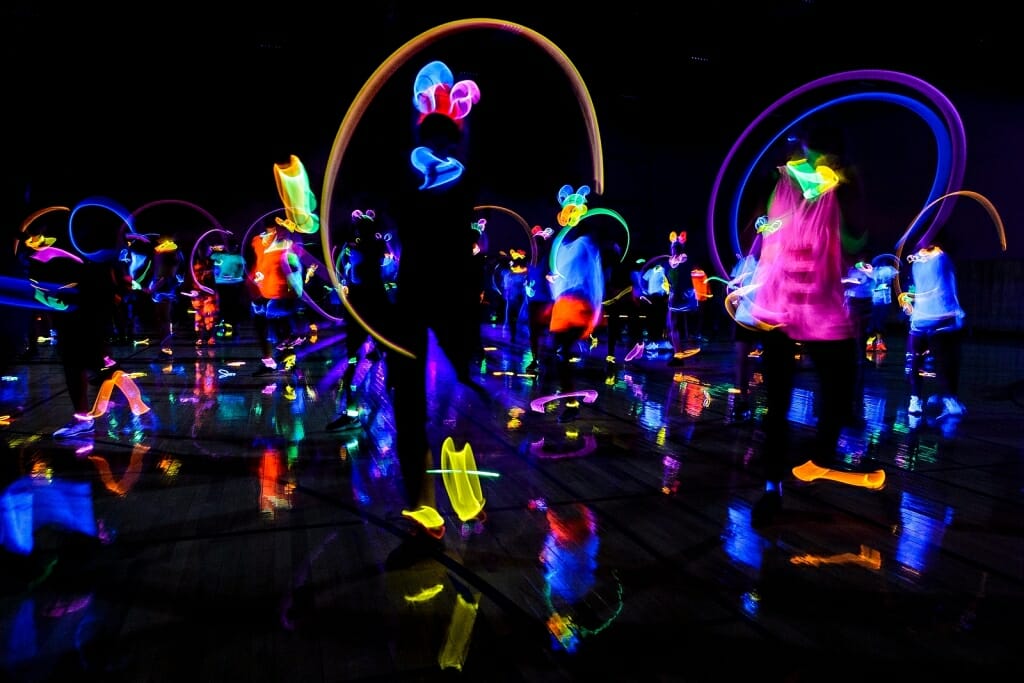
778	366
409	405
917	347
835	363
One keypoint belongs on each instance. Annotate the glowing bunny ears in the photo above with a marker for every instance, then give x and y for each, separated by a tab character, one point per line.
436	92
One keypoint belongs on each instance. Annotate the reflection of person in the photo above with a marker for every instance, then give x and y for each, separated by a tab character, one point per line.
799	295
569	557
936	328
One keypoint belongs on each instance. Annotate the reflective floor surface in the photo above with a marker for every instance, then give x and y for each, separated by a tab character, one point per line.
225	535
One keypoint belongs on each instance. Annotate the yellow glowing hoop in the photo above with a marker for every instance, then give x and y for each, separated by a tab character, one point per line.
388	67
981	199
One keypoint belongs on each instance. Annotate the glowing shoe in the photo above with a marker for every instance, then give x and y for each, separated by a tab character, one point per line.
866	480
76	427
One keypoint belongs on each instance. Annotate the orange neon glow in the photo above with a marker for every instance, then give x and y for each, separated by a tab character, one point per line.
131	474
867	557
866	480
127	386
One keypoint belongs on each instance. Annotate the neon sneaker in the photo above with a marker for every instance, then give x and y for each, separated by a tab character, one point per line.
74	428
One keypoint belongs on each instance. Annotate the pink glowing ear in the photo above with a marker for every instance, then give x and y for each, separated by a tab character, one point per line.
463	96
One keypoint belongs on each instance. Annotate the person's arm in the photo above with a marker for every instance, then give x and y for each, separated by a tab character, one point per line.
294	266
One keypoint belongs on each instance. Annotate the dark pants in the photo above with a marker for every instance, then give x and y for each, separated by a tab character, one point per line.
946	349
835	363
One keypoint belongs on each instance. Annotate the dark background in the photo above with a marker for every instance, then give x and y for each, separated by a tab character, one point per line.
196	102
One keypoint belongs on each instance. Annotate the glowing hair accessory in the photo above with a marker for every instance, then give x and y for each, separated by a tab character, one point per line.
40	241
393	63
543	233
436	171
948	132
573	203
436	92
299	201
763	227
359	215
814	181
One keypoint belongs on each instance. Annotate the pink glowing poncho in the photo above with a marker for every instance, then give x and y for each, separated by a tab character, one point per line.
798	280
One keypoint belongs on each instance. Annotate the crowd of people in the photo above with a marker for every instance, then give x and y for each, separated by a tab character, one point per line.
795	295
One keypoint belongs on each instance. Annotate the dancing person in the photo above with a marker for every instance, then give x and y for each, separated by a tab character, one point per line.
682	302
625	310
83	295
881	302
513	291
276	285
746	336
163	290
435	221
537	289
205	301
362	260
577	291
936	328
799	298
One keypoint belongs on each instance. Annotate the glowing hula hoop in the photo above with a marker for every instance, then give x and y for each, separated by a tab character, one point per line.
41	212
380	76
103	203
519	219
981	199
956	152
192	258
560	237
